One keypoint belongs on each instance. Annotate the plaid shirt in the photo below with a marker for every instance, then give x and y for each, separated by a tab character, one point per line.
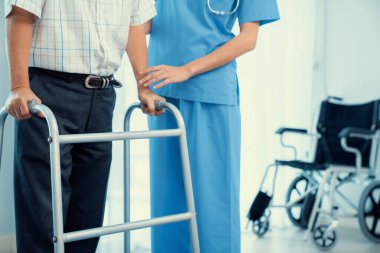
82	36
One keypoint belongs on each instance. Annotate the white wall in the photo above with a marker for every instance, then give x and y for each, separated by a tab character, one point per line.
6	173
351	50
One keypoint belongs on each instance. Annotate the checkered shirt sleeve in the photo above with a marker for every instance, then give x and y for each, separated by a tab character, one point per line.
82	36
33	6
143	10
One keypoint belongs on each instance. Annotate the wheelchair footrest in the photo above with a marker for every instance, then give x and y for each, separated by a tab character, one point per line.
259	205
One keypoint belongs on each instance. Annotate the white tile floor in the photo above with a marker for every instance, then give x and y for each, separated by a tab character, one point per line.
282	238
287	238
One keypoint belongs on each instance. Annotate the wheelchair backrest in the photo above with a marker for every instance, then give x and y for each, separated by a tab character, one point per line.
333	118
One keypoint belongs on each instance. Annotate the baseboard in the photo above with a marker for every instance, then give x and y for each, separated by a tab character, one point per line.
7	244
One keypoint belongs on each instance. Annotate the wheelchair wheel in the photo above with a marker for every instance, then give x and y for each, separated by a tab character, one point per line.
369	212
323	242
296	189
261	226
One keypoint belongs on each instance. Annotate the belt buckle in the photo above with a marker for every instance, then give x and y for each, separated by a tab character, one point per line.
118	84
89	86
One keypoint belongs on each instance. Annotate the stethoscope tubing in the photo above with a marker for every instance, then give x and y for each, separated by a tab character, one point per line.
223	12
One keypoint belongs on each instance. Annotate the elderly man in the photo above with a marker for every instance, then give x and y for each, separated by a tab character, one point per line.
64	53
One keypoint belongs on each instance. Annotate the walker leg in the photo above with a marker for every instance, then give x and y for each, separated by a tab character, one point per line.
3	116
56	184
55	163
127	179
127	195
189	191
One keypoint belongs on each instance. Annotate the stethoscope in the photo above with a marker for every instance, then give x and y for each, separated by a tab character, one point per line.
223	12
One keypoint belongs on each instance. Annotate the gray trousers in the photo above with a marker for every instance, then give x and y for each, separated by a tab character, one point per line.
85	167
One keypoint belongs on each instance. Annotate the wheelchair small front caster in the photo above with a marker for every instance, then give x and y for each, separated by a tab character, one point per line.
261	226
324	241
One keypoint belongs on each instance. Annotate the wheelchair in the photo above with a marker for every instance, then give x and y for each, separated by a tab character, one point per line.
347	139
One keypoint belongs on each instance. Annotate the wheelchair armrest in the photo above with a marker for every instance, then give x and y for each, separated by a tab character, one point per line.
352	132
283	130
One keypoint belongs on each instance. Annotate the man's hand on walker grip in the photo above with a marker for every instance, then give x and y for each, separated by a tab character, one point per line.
147	99
17	103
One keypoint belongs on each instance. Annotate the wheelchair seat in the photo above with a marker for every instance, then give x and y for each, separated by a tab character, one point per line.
302	165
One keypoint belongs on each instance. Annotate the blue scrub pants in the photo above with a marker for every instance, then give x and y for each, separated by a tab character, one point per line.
214	137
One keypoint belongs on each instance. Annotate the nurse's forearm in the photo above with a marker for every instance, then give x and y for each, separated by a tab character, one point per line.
165	75
241	44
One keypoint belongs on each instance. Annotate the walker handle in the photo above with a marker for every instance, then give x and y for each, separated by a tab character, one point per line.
160	105
31	105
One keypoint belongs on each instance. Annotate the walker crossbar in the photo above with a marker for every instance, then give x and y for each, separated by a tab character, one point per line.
60	238
103	137
107	230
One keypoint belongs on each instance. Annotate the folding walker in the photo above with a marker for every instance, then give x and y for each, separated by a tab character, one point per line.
55	139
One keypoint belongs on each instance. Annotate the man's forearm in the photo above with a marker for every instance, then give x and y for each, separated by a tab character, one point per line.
19	35
137	51
138	56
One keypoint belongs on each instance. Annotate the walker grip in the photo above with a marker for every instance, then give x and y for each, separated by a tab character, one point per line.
31	105
160	105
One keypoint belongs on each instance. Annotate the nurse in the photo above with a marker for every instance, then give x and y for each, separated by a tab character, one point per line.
192	56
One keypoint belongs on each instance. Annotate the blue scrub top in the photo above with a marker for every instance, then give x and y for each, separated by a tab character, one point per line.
185	30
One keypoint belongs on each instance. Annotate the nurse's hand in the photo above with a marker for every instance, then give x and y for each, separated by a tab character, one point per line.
147	98
166	75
